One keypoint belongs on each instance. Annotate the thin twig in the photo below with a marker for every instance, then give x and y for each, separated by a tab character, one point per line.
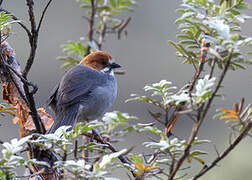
91	24
33	39
75	149
212	67
43	14
34	114
30	4
102	36
98	138
95	135
122	27
226	152
153	157
173	161
216	150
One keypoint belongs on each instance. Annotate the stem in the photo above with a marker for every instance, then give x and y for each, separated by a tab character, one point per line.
91	24
122	27
34	38
212	67
34	114
225	153
102	36
98	138
43	15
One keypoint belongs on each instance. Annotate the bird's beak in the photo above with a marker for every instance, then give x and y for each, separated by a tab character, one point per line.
114	65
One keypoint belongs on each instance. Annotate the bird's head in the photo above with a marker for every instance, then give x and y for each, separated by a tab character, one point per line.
100	61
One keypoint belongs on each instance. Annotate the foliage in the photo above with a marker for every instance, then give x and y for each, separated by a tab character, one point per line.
106	19
64	144
5	30
218	25
5	24
6	110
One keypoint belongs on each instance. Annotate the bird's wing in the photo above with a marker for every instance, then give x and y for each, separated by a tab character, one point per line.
51	101
79	81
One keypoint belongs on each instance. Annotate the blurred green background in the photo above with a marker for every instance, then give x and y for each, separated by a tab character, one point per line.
146	57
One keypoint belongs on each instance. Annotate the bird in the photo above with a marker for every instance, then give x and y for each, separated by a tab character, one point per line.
85	92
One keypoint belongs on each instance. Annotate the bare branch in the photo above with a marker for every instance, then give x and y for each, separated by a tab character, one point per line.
33	39
43	15
225	153
212	68
122	27
98	138
102	36
91	24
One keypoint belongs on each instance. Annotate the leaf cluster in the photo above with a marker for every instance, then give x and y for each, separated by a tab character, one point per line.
219	25
104	17
5	24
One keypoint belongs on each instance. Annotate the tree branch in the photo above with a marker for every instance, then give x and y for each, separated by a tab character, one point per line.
102	36
21	84
33	39
91	24
122	27
43	14
99	139
243	134
200	119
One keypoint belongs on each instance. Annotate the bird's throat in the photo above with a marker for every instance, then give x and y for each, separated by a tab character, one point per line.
108	70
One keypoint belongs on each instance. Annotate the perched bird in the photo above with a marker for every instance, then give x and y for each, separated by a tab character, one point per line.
85	92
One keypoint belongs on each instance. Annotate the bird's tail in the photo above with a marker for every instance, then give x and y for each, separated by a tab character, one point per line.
68	117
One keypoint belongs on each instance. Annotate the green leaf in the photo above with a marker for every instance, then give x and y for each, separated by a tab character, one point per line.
223	8
86	1
182	36
198	159
135	158
69	61
146	99
107	159
242	5
187	42
113	3
238	65
75	48
198	152
178	47
234	12
86	6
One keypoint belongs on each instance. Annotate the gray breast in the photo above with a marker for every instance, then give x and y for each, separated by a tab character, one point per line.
99	101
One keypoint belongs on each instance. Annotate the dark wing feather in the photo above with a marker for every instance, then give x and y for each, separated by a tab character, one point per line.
51	101
79	81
